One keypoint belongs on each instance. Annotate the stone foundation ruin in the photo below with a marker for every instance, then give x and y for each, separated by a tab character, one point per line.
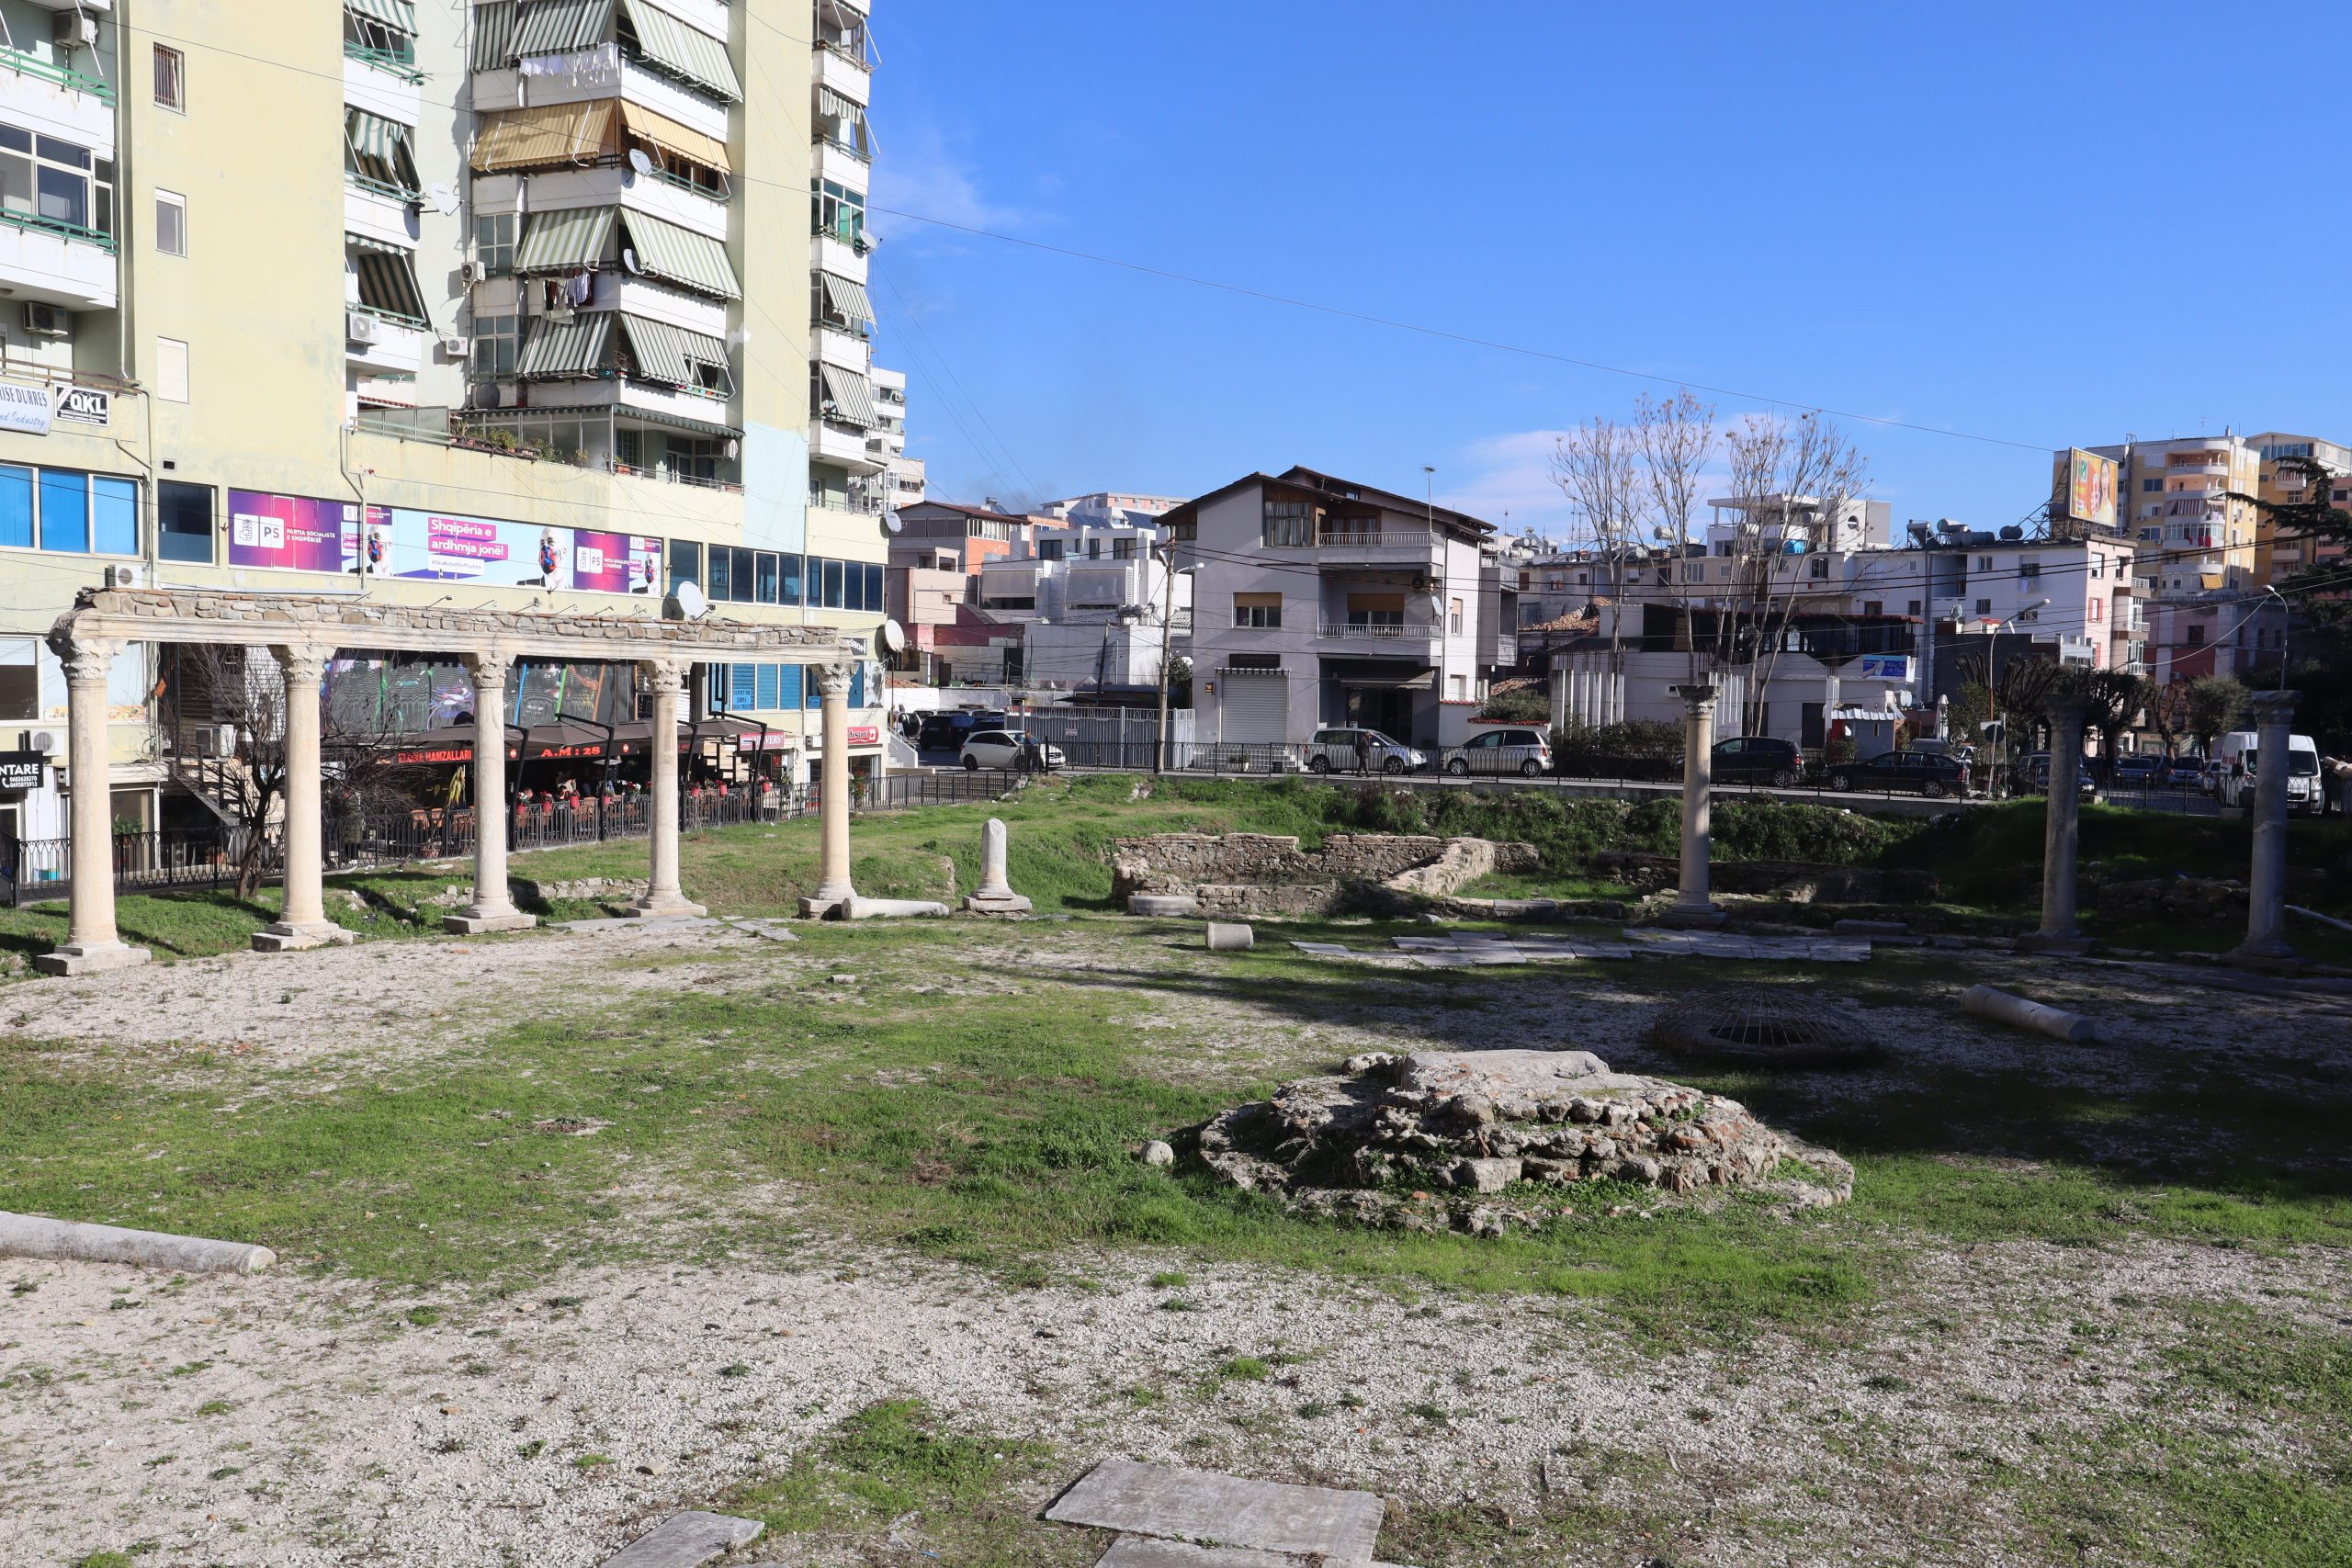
1269	875
1465	1126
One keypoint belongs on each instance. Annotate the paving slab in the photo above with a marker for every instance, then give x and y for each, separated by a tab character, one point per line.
688	1540
774	930
1221	1510
640	922
1323	949
1143	1551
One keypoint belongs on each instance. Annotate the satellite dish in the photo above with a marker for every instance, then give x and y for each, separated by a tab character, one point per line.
639	162
691	603
628	260
892	522
445	200
892	636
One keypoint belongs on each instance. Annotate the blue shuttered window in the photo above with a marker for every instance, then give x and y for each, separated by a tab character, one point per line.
17	507
767	687
788	684
743	690
64	512
117	510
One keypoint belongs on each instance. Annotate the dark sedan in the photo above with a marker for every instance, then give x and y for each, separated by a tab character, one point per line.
1912	773
1757	758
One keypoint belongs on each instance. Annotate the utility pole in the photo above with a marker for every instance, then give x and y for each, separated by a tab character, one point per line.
1167	644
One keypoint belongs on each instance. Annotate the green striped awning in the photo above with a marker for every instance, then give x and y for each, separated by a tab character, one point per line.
681	256
556	27
398	15
388	280
494	34
847	398
672	48
377	148
673	355
576	347
847	297
567	241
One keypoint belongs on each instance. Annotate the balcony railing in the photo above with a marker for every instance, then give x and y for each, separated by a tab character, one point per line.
64	77
441	427
384	60
60	227
1368	539
1381	631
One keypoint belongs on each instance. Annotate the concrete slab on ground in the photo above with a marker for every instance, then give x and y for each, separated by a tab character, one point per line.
1141	1551
774	930
1223	1510
640	922
688	1540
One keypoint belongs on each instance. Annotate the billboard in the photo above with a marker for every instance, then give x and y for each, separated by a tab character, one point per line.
300	533
1887	667
2084	487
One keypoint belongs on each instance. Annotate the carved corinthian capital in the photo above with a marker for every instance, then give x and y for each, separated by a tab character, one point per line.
489	672
305	668
833	681
87	660
660	675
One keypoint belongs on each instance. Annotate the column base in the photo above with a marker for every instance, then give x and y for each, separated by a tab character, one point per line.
482	922
821	903
91	958
2268	957
1006	903
665	906
1686	917
2069	944
284	938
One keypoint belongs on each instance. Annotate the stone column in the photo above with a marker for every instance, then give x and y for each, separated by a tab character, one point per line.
995	896
2265	902
2061	830
1692	906
833	803
303	922
91	943
662	896
493	908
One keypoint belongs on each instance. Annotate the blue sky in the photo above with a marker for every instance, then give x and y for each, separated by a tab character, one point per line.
2042	224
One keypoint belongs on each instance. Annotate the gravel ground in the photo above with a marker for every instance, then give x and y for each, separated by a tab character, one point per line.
283	1421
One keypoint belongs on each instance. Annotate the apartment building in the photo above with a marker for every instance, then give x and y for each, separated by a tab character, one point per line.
2175	500
2220	632
1321	601
494	303
1109	509
1097	605
2278	556
904	478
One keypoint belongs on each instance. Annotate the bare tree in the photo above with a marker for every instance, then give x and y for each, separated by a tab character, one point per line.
1598	466
1677	440
1798	481
246	693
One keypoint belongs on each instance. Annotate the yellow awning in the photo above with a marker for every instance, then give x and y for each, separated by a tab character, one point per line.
669	135
549	135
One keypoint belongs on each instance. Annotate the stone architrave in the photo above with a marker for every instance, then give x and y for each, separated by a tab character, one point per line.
2062	831
995	896
303	922
2265	903
492	908
662	897
1693	904
91	943
833	885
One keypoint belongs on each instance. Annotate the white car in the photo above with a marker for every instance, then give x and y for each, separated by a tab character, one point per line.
1356	751
1527	752
1003	749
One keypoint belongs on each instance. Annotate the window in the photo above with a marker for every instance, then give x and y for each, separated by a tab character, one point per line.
64	512
55	183
1984	563
2197	636
791	567
170	370
184	522
685	563
1453	623
494	338
1288	524
1122	549
1818	566
2029	569
722	585
1454	687
1874	607
831	586
2098	613
1984	606
1913	608
1049	549
767	576
840	212
171	224
171	78
1093	549
494	243
1260	611
17	507
2152	487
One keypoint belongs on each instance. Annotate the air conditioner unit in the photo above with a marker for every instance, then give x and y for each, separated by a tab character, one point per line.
43	741
469	272
48	320
360	327
455	347
126	577
72	29
216	740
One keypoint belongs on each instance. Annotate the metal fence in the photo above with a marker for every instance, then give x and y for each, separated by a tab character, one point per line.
38	870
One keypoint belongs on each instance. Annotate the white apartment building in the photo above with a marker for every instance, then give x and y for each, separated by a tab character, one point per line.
904	477
1110	509
1095	604
1321	601
1777	520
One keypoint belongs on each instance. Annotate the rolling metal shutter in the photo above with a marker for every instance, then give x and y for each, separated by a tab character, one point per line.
1254	706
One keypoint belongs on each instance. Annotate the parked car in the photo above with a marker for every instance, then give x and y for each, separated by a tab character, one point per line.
2238	750
946	731
2136	769
1920	773
1354	751
1527	752
2214	772
1757	758
1005	748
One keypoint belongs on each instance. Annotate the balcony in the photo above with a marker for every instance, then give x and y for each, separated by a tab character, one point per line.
1417	633
1346	548
64	78
831	441
57	263
837	70
839	257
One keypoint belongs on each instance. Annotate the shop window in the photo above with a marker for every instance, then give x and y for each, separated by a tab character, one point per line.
685	563
64	512
765	695
17	507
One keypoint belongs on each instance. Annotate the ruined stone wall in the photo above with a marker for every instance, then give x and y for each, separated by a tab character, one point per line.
1268	874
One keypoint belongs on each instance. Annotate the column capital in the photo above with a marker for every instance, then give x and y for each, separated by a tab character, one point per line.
87	660
662	675
487	667
832	679
302	666
2066	709
2273	707
1701	697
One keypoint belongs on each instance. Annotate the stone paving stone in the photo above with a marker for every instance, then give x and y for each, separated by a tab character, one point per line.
1142	1551
1323	949
1223	1510
683	922
688	1540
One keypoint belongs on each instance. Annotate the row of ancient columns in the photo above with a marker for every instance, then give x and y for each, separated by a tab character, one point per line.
2266	940
93	944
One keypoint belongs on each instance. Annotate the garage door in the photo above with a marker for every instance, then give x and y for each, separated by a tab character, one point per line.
1257	707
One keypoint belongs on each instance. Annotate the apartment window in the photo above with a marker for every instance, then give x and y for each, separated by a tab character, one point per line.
1819	566
1122	549
791	566
1457	685
170	370
1094	549
2030	570
2152	487
171	78
2197	636
1913	608
1453	619
836	593
494	243
1874	607
685	563
769	579
1984	563
1049	549
721	585
184	522
494	339
1262	612
1984	606
55	182
839	211
171	224
2097	612
1288	524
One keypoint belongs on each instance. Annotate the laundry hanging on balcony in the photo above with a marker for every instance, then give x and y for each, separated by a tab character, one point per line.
376	151
547	137
388	283
678	255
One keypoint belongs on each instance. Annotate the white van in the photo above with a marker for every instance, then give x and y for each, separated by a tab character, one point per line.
2237	755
